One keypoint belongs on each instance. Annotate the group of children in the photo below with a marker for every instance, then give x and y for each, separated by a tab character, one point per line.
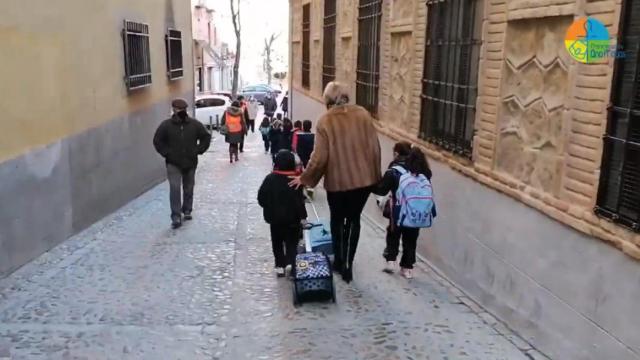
284	207
281	134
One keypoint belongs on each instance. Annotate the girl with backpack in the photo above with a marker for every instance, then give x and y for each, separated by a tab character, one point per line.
265	127
409	172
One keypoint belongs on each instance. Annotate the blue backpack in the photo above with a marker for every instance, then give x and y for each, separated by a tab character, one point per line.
414	200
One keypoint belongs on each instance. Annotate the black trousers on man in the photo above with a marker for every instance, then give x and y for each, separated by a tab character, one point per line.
185	179
346	208
284	241
251	124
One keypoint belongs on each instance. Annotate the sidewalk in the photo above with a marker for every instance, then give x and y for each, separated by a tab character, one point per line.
131	288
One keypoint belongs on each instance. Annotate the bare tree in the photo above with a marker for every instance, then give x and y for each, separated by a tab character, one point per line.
235	16
268	49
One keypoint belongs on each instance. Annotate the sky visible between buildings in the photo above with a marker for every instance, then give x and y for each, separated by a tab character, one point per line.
260	19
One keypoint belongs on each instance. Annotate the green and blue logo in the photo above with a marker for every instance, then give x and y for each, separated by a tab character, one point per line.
588	41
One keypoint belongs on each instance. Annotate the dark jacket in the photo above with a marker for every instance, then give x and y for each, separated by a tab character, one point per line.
287	139
275	138
236	137
304	147
181	141
282	204
285	103
270	106
391	179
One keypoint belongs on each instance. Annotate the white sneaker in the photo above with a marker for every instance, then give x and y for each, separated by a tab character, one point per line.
280	272
407	273
390	267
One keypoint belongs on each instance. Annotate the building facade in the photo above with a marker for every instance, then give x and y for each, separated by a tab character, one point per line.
81	102
536	154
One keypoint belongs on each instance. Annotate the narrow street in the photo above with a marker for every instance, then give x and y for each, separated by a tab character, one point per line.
129	287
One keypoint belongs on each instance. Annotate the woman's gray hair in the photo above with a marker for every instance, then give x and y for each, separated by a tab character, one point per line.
335	94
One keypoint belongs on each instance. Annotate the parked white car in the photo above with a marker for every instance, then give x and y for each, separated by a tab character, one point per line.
211	107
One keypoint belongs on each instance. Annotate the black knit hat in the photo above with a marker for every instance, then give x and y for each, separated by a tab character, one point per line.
284	161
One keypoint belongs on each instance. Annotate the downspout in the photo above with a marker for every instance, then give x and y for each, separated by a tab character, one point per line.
290	71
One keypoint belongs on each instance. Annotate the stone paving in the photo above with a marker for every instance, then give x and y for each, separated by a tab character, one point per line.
129	287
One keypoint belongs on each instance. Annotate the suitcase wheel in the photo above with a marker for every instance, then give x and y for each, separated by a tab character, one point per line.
296	300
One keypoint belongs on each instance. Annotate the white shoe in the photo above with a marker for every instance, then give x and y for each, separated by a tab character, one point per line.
280	272
407	273
390	267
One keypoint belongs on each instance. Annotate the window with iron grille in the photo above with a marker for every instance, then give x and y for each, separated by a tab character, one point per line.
306	38
329	43
368	74
173	42
619	191
449	84
137	57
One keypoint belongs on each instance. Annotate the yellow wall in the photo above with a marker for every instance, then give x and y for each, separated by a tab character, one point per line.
62	67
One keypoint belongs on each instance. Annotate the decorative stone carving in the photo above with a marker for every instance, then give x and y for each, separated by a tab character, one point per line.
401	61
534	90
345	20
403	10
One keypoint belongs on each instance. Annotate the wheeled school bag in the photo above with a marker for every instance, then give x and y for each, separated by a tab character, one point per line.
313	278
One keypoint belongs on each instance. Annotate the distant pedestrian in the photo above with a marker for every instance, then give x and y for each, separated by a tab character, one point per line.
265	127
347	155
305	142
297	127
244	106
275	138
285	104
233	121
180	140
406	160
287	134
252	109
270	105
284	210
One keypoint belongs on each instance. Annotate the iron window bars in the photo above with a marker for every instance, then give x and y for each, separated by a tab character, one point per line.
329	43
367	70
449	84
306	37
619	189
137	58
173	42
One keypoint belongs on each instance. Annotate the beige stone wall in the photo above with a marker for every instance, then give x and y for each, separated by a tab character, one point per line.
60	80
539	116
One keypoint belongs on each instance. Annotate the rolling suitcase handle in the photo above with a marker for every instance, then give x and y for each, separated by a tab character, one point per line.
307	230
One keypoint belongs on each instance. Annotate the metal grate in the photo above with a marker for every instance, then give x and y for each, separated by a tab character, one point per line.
173	41
137	58
449	85
619	191
329	43
306	38
367	71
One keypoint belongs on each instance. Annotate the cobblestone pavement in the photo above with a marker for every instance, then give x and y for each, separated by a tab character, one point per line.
131	288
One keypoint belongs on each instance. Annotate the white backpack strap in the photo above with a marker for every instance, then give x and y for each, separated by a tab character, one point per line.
399	169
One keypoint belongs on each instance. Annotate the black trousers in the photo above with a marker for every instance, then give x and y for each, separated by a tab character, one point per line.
233	149
346	208
409	240
267	143
251	124
284	241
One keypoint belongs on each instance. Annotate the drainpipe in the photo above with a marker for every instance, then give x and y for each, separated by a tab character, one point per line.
290	70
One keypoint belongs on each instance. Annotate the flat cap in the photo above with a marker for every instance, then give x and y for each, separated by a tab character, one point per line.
179	104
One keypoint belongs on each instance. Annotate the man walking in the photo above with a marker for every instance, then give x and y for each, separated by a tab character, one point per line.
270	105
180	140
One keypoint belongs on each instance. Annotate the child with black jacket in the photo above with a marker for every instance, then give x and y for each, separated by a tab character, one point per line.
284	210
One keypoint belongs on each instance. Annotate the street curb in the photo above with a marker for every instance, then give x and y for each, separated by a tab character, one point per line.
463	298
